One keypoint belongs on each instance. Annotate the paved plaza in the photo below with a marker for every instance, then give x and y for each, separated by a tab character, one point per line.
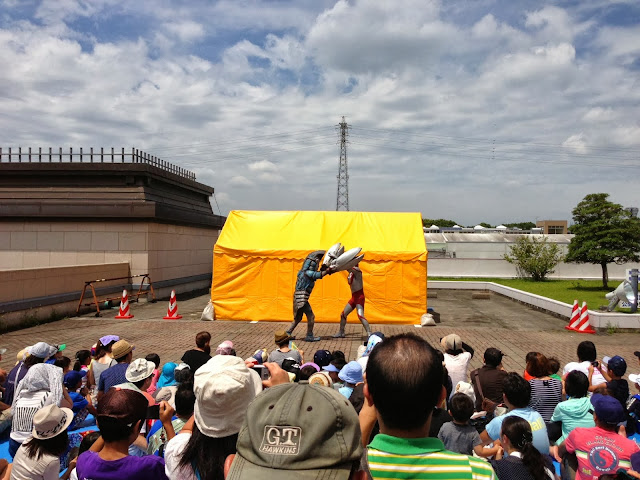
498	322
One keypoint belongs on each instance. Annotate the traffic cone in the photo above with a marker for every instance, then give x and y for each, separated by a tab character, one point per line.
574	321
124	307
172	311
584	326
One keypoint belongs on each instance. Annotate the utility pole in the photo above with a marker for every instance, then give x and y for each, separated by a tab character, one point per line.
342	201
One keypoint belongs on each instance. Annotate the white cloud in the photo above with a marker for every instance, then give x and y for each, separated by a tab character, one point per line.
186	30
247	94
263	166
240	181
577	143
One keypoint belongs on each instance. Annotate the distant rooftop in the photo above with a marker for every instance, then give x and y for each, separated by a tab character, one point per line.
95	184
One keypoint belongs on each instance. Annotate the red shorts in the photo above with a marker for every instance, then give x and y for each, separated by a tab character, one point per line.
357	298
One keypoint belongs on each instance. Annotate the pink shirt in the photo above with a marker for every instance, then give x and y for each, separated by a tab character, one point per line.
599	452
154	383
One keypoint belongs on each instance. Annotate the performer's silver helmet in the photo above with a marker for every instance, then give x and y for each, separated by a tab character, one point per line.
313	260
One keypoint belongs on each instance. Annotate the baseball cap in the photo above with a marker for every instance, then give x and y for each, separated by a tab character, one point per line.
224	387
72	378
634	378
351	373
3	351
140	369
451	342
607	408
61	347
298	430
637	353
617	365
41	350
322	357
121	348
291	365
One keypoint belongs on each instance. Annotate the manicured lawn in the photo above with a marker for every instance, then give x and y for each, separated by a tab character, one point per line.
567	291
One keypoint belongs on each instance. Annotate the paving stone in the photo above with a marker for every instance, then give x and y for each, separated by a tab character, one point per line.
498	322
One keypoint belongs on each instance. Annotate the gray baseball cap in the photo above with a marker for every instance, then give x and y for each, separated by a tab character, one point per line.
295	431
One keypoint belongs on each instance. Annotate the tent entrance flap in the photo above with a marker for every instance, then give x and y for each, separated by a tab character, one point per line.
258	255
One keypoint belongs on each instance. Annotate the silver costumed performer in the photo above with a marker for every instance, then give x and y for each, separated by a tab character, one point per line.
355	302
307	277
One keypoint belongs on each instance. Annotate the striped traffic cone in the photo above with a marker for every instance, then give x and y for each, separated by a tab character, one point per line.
574	321
172	311
124	307
584	326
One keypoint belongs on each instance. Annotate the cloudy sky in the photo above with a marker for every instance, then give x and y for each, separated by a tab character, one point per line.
483	110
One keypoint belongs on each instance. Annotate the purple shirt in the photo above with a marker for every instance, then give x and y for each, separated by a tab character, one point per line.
91	467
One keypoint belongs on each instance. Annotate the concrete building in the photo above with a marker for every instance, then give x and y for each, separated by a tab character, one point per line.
64	223
553	227
480	254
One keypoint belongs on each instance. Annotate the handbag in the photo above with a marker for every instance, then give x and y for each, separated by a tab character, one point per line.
492	408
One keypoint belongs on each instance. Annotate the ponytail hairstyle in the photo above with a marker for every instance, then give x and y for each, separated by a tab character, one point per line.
82	357
519	433
102	350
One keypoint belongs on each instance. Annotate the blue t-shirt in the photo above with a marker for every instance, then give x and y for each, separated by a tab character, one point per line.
79	402
113	376
538	427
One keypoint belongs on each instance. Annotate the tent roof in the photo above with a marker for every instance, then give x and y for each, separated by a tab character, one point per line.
294	234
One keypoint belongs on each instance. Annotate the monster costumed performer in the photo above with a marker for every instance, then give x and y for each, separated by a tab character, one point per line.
356	302
307	277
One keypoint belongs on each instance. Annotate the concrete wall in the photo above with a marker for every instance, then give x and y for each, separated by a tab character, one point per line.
486	267
597	319
39	282
164	251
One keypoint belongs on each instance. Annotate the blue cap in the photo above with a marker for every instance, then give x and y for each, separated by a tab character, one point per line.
351	373
72	378
617	365
608	409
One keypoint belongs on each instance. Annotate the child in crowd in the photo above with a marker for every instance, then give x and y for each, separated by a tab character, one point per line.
554	368
121	414
616	385
351	375
87	441
64	363
577	411
155	358
82	407
460	437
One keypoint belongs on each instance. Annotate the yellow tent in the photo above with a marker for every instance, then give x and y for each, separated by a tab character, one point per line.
258	255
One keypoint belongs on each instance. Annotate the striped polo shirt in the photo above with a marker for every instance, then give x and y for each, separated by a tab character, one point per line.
422	458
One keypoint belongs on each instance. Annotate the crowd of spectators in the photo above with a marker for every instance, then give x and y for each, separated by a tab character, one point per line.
400	409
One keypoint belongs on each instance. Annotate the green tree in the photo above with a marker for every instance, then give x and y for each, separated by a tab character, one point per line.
485	225
604	232
440	222
534	257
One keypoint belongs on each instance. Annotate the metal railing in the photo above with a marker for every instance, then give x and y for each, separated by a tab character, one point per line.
101	155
